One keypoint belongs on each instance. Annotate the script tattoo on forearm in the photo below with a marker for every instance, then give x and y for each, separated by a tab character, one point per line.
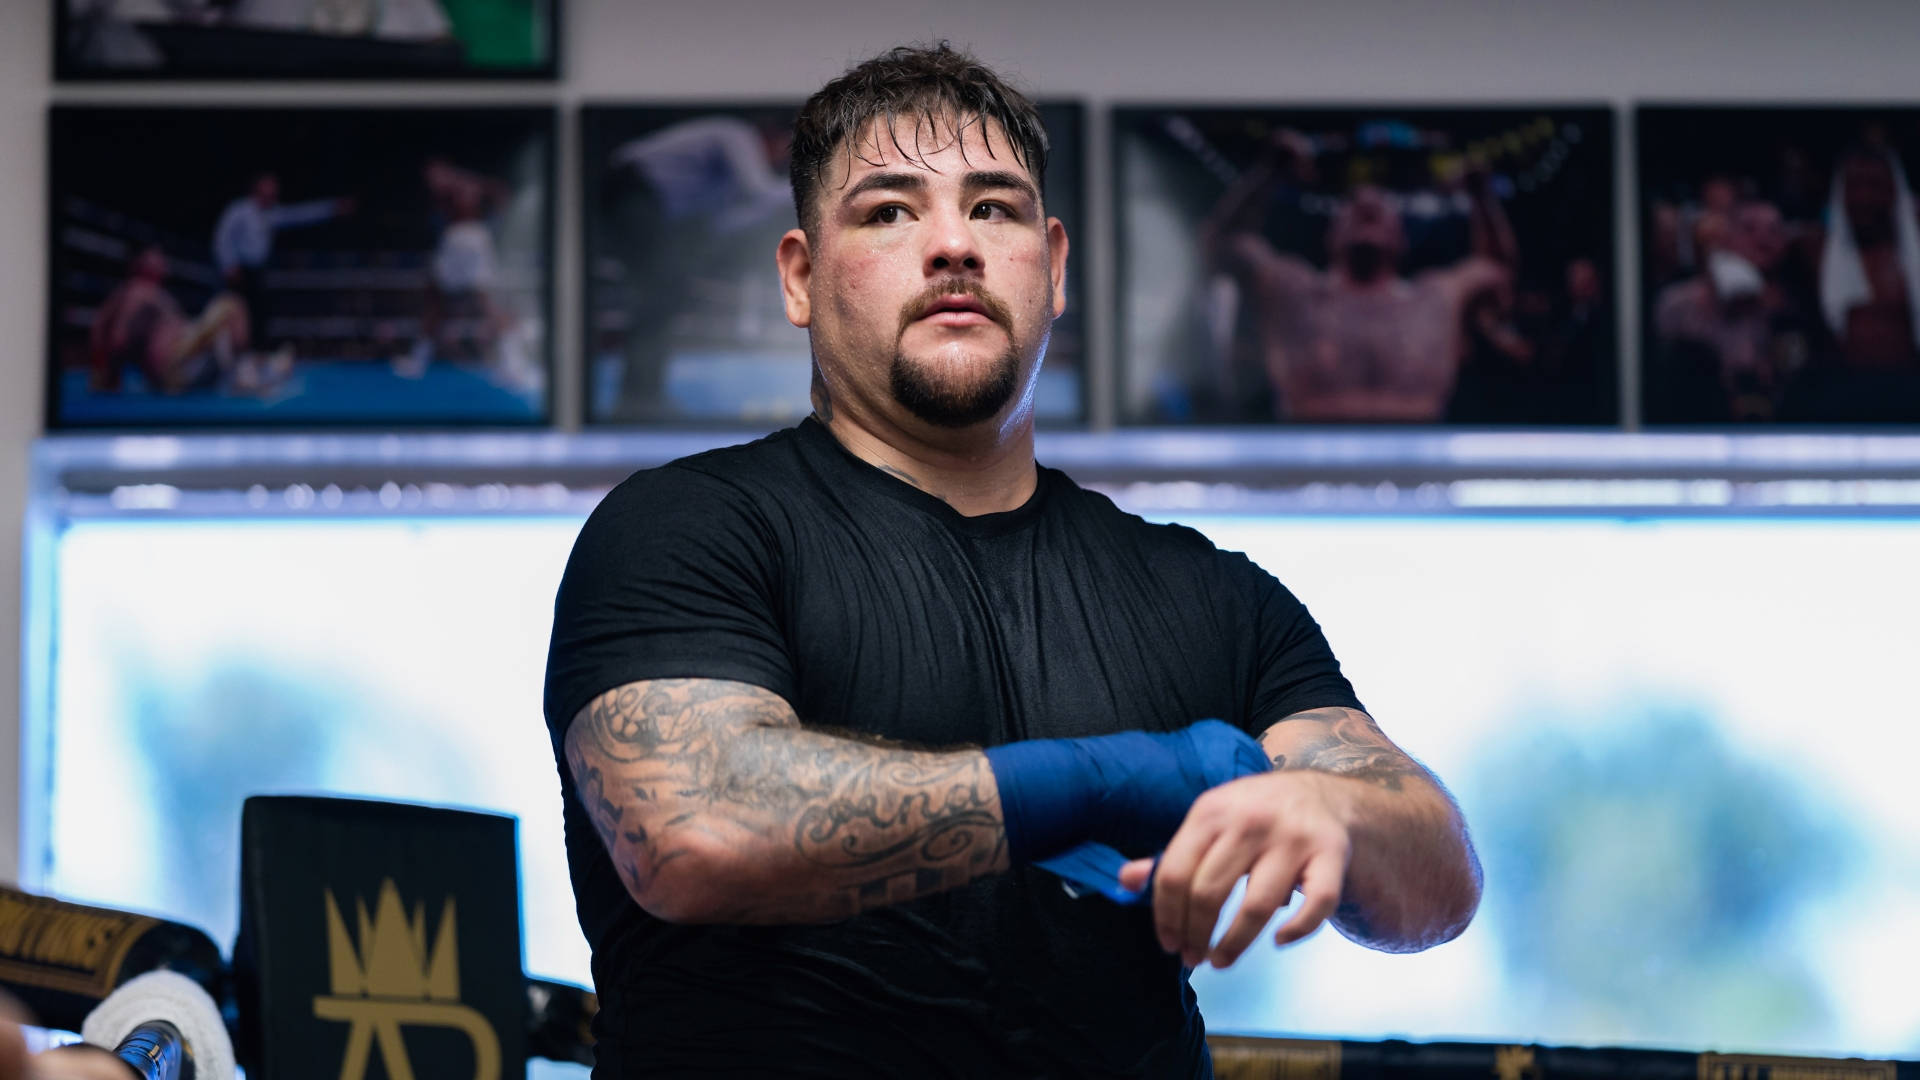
1348	743
864	825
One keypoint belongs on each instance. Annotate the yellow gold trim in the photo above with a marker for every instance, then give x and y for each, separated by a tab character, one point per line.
110	971
36	916
1241	1058
1764	1067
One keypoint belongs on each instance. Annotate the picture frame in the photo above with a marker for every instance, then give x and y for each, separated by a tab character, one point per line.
1779	264
93	40
316	268
1370	264
683	205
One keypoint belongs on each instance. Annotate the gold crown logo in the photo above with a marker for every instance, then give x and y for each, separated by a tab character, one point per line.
392	960
392	980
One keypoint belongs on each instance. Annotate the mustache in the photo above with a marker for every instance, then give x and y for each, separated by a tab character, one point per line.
919	307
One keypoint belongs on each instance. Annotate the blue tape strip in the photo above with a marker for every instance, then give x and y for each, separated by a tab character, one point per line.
1095	868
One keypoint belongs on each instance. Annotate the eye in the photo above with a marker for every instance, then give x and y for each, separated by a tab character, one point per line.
992	211
889	214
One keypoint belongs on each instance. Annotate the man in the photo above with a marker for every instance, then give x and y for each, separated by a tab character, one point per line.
243	238
140	326
1358	341
677	203
461	316
1730	336
1870	262
748	645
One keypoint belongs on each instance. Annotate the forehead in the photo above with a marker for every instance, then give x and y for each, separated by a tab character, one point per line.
937	143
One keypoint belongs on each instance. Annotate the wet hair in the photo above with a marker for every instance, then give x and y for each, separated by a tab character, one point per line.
923	85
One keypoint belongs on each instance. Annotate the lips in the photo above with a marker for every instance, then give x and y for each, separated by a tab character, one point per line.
957	304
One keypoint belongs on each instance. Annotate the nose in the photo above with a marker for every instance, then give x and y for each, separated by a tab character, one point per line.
952	247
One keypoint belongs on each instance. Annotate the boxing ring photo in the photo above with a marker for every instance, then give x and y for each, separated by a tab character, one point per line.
567	538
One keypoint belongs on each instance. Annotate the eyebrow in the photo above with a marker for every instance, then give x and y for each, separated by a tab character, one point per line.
973	182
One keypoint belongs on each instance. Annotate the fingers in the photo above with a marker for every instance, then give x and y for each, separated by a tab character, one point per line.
1268	888
13	1043
13	1051
1226	861
1239	830
78	1063
1320	894
1135	875
1173	881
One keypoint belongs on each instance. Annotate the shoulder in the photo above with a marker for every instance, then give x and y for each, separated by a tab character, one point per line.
1459	282
764	466
1281	271
732	485
1677	302
1164	545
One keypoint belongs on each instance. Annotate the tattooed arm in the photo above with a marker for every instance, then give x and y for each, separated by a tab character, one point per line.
717	806
1360	830
1413	880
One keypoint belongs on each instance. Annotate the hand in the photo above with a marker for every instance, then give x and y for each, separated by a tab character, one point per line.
13	1051
1282	831
77	1063
1289	149
64	1063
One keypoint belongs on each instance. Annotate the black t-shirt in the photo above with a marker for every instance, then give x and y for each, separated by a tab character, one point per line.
872	606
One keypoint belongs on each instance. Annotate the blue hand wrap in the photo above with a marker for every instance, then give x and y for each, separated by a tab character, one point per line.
1129	790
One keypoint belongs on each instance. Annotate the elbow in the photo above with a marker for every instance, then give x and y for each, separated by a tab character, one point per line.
1454	902
687	884
1457	905
1453	897
1424	907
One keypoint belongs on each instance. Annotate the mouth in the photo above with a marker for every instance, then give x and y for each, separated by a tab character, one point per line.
956	309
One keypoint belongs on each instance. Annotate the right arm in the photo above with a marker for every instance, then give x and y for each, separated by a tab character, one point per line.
1231	237
311	212
716	805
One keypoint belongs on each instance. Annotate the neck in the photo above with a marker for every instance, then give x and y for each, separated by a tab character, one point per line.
1380	278
983	470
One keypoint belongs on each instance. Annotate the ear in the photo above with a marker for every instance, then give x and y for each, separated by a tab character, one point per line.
795	258
1057	256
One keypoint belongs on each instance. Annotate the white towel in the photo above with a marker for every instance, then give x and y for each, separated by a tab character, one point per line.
1843	274
169	996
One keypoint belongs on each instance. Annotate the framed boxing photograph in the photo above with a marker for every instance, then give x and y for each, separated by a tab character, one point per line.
237	267
1366	265
683	322
306	39
1779	265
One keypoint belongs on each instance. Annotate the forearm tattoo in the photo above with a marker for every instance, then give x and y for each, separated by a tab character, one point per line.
1345	742
834	825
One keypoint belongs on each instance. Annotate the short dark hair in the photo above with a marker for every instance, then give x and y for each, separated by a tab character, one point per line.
923	83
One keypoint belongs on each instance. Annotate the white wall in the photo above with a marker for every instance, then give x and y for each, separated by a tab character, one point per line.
1194	50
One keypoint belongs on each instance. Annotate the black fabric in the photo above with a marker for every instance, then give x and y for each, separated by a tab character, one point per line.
251	283
872	606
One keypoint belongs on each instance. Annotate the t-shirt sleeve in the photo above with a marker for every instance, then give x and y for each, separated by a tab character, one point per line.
673	576
1295	667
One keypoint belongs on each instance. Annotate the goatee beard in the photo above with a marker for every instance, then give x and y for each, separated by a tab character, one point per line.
944	404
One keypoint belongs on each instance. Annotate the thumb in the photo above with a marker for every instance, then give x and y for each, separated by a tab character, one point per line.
1136	873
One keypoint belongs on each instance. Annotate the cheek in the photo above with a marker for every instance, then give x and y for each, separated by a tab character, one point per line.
1033	273
861	286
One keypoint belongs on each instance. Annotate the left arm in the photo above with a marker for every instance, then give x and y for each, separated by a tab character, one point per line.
312	212
1495	259
1365	833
